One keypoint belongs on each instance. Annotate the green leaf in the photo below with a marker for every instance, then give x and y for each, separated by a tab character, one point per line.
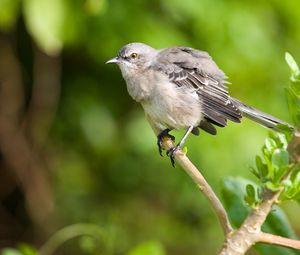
273	186
293	92
250	190
10	251
280	158
280	165
255	172
95	7
279	138
27	249
88	244
294	106
9	11
292	185
293	66
148	248
270	144
261	167
233	193
259	163
45	19
287	183
250	197
287	131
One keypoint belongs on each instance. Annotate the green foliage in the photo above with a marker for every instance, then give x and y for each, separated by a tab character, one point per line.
148	248
293	92
274	164
11	251
292	185
252	196
274	172
233	192
91	235
22	249
273	168
93	240
9	11
48	34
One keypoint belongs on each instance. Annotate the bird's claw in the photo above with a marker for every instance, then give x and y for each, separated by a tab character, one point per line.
160	138
171	153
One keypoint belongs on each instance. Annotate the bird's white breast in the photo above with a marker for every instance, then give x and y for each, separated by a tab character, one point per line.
172	106
168	105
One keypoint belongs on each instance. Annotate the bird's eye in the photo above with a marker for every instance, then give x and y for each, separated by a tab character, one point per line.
133	56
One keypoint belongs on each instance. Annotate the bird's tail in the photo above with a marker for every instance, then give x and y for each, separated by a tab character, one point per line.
260	117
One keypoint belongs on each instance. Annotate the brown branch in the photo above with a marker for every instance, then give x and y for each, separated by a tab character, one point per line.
16	150
279	240
250	231
248	234
239	241
294	147
45	95
182	160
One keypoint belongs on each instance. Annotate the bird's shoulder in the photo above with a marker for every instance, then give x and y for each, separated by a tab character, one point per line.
186	60
184	53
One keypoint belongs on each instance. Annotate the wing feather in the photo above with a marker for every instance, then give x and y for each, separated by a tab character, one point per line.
187	67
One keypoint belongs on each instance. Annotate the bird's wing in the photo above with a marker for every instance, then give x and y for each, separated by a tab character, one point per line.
195	69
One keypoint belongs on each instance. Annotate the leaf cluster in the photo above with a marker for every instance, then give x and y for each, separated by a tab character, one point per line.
273	167
293	92
274	171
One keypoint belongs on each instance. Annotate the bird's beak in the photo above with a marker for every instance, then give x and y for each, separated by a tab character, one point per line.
113	61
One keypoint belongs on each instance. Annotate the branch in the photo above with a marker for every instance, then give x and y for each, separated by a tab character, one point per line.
239	241
17	152
279	240
294	147
45	96
250	231
248	234
182	160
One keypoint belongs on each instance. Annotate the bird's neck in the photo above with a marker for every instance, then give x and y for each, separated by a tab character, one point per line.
139	87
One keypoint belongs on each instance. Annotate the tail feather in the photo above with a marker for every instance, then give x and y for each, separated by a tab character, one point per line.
260	117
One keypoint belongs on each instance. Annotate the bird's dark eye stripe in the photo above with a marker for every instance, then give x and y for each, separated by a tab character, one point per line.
120	55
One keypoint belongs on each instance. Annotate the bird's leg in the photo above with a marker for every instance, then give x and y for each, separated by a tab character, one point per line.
161	136
173	150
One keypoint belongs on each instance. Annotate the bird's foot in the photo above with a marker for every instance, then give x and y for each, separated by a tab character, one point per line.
160	138
171	153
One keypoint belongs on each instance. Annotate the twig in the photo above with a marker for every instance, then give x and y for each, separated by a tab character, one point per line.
279	240
182	160
70	232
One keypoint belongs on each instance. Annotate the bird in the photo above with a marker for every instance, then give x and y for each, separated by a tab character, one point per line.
183	88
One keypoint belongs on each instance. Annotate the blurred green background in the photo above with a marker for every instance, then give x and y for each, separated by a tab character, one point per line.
75	148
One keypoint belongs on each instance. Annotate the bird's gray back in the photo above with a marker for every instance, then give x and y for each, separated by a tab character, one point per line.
177	58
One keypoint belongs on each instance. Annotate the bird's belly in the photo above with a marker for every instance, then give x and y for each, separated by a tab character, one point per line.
175	109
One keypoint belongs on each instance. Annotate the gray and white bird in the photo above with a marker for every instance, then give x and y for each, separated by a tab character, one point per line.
182	87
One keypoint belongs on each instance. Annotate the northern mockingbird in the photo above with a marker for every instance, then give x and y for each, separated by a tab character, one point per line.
182	87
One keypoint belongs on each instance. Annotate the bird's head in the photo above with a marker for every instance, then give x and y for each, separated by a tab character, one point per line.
133	57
